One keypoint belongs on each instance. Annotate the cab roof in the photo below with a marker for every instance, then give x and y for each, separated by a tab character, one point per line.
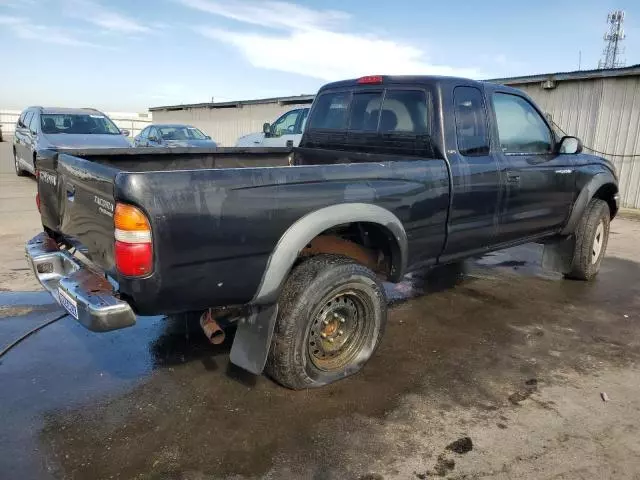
411	80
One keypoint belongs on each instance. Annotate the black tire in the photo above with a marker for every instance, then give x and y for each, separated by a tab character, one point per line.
19	171
592	236
333	296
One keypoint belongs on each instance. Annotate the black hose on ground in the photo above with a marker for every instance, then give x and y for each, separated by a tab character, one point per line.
29	333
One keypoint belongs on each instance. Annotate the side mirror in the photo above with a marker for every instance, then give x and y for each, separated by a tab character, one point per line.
570	145
125	132
266	129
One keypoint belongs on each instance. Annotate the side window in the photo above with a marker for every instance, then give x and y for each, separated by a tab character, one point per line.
404	111
471	121
286	124
520	128
21	119
144	133
27	119
303	120
153	134
365	111
330	111
33	125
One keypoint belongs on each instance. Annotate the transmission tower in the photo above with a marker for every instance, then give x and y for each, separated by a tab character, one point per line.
611	55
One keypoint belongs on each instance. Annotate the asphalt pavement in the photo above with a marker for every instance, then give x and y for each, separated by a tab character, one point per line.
492	369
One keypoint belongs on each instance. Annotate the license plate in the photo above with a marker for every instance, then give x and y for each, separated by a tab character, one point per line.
68	303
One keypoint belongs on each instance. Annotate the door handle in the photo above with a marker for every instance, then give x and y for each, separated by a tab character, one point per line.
71	193
513	178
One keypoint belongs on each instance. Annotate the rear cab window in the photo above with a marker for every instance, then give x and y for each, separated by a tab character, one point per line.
384	119
389	110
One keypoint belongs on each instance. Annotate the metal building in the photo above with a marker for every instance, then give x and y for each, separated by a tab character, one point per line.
602	108
226	121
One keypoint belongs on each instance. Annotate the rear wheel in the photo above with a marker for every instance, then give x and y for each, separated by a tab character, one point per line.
16	164
332	314
592	236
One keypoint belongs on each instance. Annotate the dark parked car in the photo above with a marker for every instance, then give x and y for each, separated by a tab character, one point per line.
392	174
173	135
41	128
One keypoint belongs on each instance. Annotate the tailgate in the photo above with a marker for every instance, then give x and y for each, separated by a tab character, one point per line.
76	201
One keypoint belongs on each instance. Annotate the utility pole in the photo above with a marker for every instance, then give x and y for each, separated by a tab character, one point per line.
579	59
611	55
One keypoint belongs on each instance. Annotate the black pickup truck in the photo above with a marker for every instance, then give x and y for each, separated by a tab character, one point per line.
291	245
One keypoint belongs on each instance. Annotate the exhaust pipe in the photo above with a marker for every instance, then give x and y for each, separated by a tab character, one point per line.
211	329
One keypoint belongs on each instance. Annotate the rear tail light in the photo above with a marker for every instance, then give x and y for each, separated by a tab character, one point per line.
133	248
38	201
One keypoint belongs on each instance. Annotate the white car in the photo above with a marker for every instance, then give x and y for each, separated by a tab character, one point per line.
285	131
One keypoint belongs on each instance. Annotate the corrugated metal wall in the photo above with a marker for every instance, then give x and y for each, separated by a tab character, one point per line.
225	125
605	115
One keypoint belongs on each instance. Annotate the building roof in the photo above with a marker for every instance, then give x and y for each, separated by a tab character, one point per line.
575	75
239	103
307	99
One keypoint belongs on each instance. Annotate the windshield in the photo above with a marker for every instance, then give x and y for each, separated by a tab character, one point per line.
82	123
181	133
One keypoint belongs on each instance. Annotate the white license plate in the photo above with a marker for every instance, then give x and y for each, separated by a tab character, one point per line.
68	303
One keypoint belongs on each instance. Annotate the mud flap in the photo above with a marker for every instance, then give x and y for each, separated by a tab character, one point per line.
558	254
253	339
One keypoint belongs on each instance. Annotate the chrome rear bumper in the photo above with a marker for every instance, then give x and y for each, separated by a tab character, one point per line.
85	294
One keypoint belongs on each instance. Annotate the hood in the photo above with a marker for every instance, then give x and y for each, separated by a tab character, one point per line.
250	140
70	140
191	143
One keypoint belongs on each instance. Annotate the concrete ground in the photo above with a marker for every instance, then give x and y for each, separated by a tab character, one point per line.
493	370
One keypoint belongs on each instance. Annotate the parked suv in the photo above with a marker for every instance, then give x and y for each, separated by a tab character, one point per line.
41	128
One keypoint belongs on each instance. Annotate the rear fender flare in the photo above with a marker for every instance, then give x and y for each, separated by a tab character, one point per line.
311	225
585	196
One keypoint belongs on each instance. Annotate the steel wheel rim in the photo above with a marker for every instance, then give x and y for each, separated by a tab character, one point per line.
339	331
598	240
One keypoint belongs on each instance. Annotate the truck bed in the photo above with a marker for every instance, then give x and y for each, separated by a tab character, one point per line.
216	215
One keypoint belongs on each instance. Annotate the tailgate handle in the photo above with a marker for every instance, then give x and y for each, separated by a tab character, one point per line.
71	193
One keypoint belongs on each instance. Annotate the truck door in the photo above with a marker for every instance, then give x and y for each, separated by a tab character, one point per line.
22	139
476	183
284	129
539	183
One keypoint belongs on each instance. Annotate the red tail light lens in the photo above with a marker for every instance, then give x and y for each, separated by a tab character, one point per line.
133	249
134	259
38	201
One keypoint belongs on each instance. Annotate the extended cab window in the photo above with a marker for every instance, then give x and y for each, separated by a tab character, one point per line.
521	129
471	121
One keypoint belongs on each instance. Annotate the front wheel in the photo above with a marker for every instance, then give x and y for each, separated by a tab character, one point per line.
331	316
592	236
16	165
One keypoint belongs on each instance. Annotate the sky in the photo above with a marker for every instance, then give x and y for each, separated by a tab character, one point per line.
121	55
